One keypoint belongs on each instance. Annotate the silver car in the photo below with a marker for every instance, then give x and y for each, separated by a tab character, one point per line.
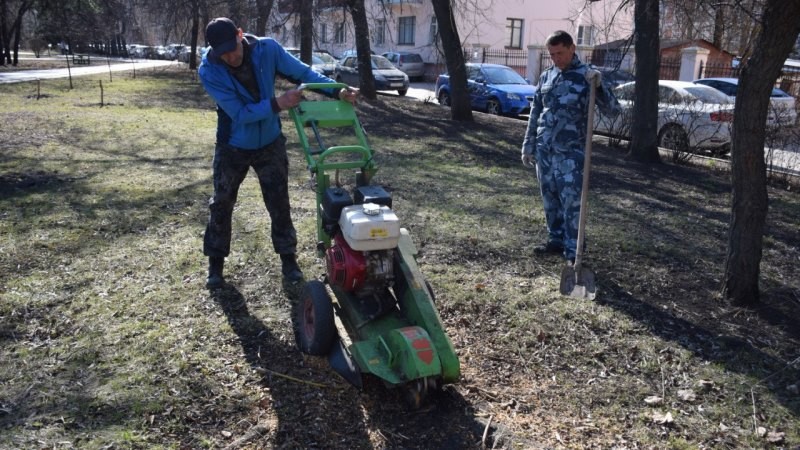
387	77
409	63
690	117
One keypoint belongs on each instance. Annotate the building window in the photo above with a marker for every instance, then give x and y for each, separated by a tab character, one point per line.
323	33
585	35
338	35
514	33
405	30
434	31
379	32
296	36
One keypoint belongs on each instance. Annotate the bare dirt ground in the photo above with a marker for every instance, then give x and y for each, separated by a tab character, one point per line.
110	339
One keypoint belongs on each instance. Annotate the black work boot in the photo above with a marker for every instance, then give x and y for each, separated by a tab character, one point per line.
215	264
549	248
289	268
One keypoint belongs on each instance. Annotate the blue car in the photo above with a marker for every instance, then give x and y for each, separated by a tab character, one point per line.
493	88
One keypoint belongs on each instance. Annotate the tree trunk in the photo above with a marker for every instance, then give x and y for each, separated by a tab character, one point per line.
264	8
306	31
719	26
460	108
644	138
3	35
359	15
195	31
778	31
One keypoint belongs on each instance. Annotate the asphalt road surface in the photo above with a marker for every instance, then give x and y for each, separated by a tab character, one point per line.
45	74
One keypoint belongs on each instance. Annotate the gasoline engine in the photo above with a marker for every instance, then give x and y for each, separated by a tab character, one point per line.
365	233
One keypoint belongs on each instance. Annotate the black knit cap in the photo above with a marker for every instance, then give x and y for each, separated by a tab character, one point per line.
221	36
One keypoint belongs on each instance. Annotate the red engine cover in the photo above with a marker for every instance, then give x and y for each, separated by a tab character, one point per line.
347	268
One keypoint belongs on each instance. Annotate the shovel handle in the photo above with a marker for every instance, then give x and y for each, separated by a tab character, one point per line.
587	163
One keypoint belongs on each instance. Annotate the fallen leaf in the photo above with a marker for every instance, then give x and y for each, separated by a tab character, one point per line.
774	437
663	419
227	434
704	385
653	400
687	395
480	286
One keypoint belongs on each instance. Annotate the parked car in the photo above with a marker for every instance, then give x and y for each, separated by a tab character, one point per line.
323	63
351	52
613	76
159	52
387	77
139	51
690	117
409	63
493	88
782	105
173	50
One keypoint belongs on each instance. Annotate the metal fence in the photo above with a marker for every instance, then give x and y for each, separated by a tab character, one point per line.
517	59
670	69
718	69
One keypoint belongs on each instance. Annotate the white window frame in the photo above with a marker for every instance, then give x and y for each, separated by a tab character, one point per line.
339	34
379	33
514	32
581	39
406	30
434	31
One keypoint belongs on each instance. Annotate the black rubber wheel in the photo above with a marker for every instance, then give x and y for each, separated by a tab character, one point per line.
315	329
402	92
493	107
673	137
444	98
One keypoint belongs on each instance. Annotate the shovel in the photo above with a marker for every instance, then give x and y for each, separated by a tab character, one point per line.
576	280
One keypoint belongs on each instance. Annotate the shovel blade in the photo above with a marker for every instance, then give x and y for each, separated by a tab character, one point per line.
578	282
343	364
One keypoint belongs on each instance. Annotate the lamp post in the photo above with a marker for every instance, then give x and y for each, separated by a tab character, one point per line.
48	48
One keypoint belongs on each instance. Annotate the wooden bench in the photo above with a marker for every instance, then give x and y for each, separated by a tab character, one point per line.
80	59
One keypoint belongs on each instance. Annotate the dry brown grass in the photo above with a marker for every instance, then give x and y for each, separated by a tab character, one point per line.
109	337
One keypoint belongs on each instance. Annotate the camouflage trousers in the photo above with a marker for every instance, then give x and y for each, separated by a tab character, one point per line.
560	181
231	165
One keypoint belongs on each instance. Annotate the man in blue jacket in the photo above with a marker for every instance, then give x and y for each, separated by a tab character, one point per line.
239	73
556	136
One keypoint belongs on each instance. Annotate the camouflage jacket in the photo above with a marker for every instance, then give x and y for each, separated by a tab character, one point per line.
559	112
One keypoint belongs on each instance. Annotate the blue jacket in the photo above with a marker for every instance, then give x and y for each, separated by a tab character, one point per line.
250	125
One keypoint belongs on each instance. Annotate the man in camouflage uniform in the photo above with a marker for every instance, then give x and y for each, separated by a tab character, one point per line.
555	138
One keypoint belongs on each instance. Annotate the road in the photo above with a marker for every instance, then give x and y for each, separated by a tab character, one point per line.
116	66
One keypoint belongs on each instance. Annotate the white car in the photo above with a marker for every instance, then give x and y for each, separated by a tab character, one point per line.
690	117
782	105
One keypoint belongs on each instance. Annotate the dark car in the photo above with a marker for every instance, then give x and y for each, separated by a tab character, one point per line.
387	77
614	77
493	88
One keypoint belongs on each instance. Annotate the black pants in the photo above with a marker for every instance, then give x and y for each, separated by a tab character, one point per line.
230	167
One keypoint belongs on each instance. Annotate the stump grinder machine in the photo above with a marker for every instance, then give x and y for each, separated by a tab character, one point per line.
382	300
